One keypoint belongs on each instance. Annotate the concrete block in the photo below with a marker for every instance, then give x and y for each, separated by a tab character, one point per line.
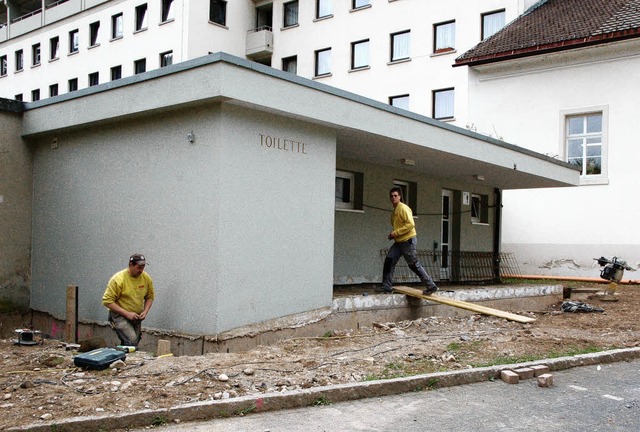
540	369
545	380
524	373
509	376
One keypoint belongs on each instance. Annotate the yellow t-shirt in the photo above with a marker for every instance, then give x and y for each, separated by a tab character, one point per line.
128	292
404	227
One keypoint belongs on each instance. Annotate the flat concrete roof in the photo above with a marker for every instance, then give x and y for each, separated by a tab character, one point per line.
366	129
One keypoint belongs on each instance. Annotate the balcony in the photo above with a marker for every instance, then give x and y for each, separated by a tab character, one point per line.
259	43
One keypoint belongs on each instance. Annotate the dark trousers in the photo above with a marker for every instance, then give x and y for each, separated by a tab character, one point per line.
407	250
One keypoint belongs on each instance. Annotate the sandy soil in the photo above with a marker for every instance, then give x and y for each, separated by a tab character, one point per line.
40	383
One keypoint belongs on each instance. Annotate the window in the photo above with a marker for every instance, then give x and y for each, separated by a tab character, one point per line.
94	29
3	65
94	79
290	14
54	48
140	66
290	64
19	60
401	101
360	3
492	22
409	194
35	54
18	97
53	90
443	104
35	95
116	26
166	59
584	143
141	17
74	41
360	54
349	190
218	12
116	73
73	84
444	37
324	8
479	208
400	46
323	62
167	10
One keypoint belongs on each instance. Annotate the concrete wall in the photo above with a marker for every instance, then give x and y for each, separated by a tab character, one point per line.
15	211
224	222
526	101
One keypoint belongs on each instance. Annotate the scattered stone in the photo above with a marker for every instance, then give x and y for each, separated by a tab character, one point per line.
99	409
223	377
27	385
118	364
47	416
91	344
545	380
225	395
51	360
249	371
7	396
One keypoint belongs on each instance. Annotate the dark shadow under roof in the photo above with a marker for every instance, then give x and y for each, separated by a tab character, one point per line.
554	25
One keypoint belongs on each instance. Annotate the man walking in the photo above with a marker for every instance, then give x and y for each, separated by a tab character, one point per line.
404	237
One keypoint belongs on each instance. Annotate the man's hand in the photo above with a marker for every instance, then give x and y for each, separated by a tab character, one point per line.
391	235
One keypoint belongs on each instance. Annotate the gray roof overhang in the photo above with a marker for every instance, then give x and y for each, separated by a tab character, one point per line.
366	130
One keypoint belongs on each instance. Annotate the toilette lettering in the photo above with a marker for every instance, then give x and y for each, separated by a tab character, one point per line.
283	144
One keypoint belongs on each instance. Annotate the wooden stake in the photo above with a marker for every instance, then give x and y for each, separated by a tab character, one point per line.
413	292
71	326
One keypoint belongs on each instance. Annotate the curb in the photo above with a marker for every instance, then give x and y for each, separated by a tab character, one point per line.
206	410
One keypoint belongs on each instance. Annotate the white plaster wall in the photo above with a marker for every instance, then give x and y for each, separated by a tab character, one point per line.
116	189
15	214
275	229
524	103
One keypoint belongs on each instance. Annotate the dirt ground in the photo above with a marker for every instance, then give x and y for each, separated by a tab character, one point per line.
40	383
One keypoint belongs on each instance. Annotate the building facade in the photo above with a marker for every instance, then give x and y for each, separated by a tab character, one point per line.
563	80
398	52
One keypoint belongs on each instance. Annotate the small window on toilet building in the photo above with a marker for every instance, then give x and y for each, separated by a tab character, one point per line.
348	194
479	209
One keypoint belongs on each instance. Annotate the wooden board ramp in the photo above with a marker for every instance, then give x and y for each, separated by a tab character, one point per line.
414	292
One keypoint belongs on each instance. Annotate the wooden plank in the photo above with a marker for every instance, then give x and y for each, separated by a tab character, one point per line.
71	324
413	292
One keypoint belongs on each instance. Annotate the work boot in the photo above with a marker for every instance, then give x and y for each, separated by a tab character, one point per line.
430	290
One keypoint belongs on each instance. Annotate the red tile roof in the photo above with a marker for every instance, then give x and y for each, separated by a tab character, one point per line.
553	25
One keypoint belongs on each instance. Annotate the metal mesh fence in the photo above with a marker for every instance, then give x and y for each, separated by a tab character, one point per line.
458	266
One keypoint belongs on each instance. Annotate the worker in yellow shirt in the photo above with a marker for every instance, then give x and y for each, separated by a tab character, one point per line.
404	245
129	296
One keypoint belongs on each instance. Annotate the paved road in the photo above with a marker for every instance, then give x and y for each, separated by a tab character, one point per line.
593	398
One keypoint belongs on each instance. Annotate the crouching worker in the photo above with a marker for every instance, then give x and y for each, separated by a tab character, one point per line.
129	296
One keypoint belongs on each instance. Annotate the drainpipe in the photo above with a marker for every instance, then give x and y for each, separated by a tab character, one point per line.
497	228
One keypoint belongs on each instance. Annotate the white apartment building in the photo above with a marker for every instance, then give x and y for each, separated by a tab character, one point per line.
394	51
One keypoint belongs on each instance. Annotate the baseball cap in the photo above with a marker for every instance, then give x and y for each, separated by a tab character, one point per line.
137	259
